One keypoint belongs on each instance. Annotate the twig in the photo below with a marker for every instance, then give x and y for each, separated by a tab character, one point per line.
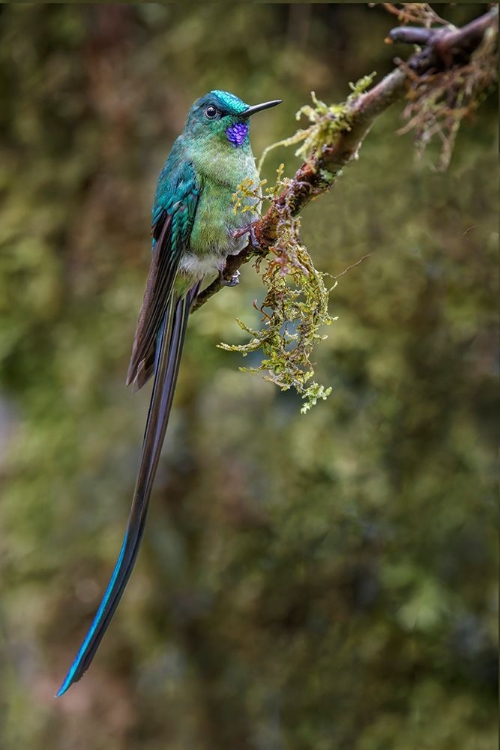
353	265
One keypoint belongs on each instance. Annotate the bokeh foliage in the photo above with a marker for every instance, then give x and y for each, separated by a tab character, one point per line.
306	582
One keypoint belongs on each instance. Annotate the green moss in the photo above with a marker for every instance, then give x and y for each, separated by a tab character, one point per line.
327	122
294	309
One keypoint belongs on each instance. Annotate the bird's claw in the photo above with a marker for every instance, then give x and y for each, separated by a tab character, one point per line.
233	281
249	229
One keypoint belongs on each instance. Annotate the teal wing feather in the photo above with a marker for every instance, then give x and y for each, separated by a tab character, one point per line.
160	336
173	216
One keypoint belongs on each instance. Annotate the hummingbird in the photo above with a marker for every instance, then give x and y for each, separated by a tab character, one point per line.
194	229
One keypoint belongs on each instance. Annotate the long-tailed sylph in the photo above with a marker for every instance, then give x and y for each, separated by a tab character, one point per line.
194	229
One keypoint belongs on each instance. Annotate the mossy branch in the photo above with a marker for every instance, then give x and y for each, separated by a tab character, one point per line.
443	81
444	49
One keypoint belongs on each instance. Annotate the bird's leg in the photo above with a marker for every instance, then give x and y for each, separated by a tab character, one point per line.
249	229
234	280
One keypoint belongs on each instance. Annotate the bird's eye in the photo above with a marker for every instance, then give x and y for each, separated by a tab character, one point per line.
211	112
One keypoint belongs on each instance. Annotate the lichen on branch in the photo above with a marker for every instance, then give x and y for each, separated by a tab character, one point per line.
327	122
294	309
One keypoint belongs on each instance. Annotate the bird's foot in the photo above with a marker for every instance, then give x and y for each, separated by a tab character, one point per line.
252	239
254	243
234	280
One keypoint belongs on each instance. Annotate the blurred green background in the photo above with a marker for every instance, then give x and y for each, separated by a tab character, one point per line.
315	582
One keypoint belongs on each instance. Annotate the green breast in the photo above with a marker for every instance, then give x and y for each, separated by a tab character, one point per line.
219	173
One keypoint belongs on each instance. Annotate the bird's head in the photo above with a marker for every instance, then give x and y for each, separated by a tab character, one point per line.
224	116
